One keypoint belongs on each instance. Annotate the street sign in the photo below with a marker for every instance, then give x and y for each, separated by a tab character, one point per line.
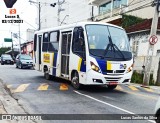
153	39
7	40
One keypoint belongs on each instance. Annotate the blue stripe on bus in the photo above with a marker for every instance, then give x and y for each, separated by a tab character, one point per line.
103	65
54	64
83	66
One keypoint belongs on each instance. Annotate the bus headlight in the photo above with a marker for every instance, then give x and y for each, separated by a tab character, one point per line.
94	67
130	68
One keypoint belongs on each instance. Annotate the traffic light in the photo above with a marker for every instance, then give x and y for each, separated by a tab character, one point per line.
53	5
10	3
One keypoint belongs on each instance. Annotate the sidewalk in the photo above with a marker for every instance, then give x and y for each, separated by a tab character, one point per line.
9	105
155	88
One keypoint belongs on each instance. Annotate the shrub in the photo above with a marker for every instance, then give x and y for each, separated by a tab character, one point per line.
138	78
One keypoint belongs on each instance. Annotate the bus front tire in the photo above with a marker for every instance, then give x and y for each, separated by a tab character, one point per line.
112	87
75	81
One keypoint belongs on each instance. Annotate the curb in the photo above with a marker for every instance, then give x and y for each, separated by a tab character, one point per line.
145	86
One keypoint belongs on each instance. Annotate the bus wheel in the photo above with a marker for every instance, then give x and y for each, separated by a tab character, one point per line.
75	81
111	87
47	76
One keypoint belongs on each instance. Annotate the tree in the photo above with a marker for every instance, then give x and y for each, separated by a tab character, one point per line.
4	49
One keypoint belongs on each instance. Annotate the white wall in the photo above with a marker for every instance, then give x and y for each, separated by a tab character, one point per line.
142	52
30	34
78	10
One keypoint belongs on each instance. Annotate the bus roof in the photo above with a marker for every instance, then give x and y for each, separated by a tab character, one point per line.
74	25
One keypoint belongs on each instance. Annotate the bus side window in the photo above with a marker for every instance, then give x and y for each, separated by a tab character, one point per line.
54	41
35	42
78	44
45	42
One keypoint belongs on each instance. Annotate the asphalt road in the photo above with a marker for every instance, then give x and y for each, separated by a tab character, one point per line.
39	96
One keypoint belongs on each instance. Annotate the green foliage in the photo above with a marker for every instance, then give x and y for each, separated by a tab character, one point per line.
151	81
129	20
3	50
138	78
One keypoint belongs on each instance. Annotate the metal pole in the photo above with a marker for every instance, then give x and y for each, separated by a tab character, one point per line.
148	65
39	7
58	14
19	40
12	46
92	14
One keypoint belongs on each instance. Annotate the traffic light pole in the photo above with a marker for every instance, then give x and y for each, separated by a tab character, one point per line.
148	64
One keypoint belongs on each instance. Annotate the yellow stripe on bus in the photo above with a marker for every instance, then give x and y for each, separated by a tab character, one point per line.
21	88
52	59
79	64
109	65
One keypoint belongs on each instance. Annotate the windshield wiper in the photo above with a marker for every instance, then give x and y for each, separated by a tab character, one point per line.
113	48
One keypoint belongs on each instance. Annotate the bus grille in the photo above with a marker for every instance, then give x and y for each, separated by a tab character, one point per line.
114	72
111	79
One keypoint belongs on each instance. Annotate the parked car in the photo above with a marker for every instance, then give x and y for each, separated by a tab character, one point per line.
6	59
0	59
24	61
157	111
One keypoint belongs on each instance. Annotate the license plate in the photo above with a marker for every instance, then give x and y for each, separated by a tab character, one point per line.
29	65
8	61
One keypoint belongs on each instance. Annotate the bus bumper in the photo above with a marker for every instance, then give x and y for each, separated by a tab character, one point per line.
95	78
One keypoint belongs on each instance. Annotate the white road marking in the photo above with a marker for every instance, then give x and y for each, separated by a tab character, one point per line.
129	112
109	98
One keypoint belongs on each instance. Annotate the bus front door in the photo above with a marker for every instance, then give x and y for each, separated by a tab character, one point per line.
65	51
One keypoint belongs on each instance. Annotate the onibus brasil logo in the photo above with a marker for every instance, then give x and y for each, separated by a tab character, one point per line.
10	3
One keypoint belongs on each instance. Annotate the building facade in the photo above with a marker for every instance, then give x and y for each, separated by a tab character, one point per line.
139	36
112	10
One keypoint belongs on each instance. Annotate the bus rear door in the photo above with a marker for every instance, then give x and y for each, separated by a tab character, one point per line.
65	51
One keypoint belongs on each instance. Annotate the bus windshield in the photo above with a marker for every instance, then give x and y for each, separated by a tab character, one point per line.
108	41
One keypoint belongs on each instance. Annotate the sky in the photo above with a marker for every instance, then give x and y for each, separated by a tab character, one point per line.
75	10
26	11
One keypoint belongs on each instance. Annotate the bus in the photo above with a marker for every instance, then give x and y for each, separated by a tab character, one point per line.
86	53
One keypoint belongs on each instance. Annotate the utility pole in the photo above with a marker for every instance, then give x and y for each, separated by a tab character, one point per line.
12	46
19	39
39	17
92	14
39	13
148	65
58	14
59	11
